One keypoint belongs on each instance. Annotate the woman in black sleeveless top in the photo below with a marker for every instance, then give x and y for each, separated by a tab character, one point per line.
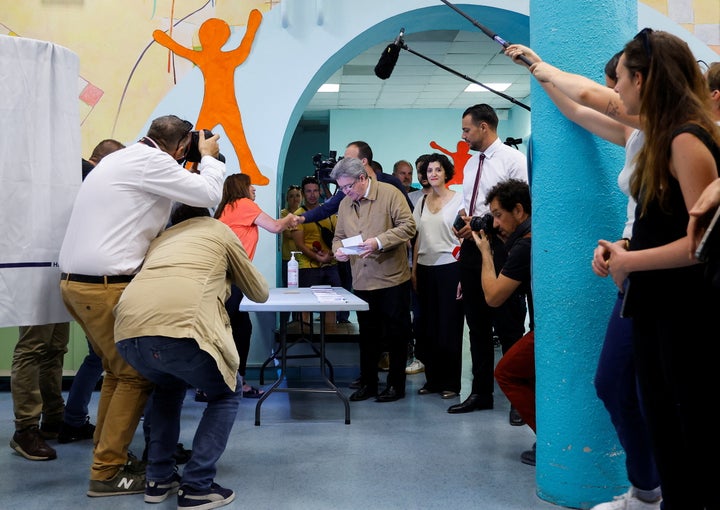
674	309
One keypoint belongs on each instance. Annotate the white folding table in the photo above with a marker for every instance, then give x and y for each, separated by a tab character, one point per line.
320	300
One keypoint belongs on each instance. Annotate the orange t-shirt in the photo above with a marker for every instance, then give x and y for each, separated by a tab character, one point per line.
240	217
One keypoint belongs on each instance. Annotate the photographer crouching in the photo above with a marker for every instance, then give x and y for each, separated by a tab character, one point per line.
509	204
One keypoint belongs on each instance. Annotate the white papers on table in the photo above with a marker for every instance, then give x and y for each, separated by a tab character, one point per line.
325	294
351	245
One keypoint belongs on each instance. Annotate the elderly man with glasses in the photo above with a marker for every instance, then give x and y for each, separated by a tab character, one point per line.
379	213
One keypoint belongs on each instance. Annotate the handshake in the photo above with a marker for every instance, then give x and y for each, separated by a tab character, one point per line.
290	221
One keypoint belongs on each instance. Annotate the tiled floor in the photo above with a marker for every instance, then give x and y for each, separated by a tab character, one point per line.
409	454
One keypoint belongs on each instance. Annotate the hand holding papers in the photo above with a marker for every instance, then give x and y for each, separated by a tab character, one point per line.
352	246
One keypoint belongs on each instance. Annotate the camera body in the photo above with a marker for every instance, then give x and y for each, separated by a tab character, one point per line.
193	153
485	223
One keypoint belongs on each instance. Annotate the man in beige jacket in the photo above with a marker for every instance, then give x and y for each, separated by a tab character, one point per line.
172	327
380	214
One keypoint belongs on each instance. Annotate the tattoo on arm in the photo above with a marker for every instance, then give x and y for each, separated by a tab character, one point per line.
612	110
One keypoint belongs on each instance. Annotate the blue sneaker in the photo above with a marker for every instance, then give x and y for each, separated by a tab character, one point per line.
155	492
214	497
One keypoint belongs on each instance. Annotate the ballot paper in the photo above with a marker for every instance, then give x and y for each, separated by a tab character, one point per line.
351	245
325	294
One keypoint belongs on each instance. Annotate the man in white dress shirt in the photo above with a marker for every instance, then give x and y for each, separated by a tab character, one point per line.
122	205
499	163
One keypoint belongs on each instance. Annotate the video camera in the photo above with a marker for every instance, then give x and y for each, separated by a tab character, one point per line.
323	167
193	153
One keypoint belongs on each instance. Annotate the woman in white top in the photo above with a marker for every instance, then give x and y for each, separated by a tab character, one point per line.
435	277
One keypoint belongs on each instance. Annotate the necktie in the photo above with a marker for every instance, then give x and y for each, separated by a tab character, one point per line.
476	185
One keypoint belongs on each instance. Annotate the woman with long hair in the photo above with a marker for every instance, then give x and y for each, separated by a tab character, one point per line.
238	210
673	307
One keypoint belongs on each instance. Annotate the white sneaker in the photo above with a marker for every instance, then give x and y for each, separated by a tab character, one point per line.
415	367
627	502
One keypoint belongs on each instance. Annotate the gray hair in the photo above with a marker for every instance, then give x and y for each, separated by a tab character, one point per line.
168	131
348	167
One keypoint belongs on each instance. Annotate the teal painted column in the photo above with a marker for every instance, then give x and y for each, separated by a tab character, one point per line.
576	201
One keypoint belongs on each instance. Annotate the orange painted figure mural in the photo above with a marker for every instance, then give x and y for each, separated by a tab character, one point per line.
459	159
219	106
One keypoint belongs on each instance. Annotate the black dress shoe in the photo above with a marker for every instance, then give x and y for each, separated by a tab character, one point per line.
528	456
364	393
390	394
474	402
515	419
426	391
355	384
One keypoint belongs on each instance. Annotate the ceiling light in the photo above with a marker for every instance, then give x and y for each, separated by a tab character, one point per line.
329	87
500	87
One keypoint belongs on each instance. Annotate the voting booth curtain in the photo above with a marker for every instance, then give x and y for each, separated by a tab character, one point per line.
40	173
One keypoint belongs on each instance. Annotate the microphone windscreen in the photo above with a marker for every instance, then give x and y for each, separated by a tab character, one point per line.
388	59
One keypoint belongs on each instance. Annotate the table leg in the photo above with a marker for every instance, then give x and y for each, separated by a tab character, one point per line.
330	383
283	365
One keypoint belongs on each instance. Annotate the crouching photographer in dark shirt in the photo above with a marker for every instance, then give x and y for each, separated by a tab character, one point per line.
509	203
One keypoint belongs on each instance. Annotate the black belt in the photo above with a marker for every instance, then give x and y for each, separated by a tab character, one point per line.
86	278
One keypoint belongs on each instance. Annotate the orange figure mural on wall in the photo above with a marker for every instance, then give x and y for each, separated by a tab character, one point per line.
459	159
219	104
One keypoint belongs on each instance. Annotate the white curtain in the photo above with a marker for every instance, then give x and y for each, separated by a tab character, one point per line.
40	173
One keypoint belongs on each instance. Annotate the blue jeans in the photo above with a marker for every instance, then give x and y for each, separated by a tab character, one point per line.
616	385
84	382
172	364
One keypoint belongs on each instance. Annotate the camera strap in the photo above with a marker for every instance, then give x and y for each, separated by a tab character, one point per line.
149	142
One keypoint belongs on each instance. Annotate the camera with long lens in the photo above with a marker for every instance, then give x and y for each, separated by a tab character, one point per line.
324	166
485	223
193	153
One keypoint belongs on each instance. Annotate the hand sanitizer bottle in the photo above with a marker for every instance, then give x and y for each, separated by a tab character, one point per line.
292	271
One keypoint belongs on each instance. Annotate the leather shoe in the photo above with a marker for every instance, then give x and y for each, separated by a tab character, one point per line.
355	384
474	402
390	394
515	419
364	393
426	391
528	456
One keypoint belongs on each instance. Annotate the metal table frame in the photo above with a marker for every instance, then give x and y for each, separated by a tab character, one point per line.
284	301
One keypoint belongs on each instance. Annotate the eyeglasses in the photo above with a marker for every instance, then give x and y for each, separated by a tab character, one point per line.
644	36
348	187
293	186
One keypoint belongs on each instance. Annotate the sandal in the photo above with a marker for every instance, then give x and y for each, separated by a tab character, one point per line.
253	393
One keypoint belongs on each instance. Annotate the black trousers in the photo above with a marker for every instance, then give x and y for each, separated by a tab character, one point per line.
440	326
389	317
508	320
241	325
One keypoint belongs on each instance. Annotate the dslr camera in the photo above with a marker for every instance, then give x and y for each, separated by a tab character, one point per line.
193	153
477	223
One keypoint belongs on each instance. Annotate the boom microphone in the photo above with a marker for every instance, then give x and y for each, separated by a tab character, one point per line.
389	57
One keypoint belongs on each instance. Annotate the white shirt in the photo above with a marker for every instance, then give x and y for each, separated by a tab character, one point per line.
125	202
435	239
501	163
416	196
633	145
